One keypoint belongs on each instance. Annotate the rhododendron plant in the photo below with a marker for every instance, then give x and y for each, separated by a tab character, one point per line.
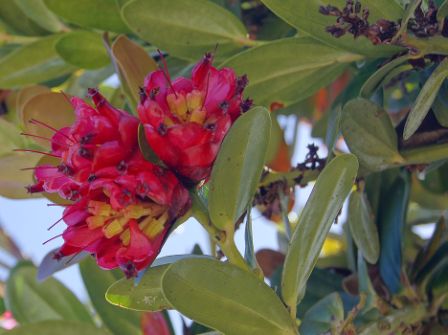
316	129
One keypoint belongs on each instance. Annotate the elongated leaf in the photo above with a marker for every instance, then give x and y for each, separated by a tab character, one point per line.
97	281
331	188
13	180
289	70
322	315
51	264
305	16
31	301
225	298
363	227
39	13
425	99
147	295
57	328
10	137
82	49
443	11
370	135
249	254
133	63
99	14
391	220
17	21
24	95
238	167
33	63
187	29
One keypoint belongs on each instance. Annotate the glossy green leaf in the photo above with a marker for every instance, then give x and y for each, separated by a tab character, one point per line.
238	167
99	14
187	29
31	301
97	281
17	21
39	13
147	295
10	137
289	70
370	135
133	65
305	16
362	226
13	180
57	328
325	313
33	63
425	99
225	297
79	84
82	49
391	220
332	187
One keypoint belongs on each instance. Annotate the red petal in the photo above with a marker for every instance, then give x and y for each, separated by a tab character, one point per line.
154	324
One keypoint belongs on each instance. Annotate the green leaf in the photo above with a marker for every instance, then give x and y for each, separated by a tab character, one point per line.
13	180
332	187
425	99
42	107
99	14
17	21
425	155
31	301
187	29
146	296
97	281
442	12
133	65
289	70
145	148
362	226
370	135
391	220
10	137
39	13
51	264
83	49
57	328
305	16
438	283
226	298
249	253
33	63
238	167
325	313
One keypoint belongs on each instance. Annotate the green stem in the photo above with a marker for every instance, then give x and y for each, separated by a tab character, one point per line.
425	155
223	238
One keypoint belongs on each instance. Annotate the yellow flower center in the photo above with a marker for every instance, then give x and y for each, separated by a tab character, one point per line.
189	107
150	216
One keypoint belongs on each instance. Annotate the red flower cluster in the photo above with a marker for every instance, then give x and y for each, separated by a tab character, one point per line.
123	205
186	120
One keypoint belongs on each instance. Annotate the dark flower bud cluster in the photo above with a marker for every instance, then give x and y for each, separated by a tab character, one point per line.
353	19
424	24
